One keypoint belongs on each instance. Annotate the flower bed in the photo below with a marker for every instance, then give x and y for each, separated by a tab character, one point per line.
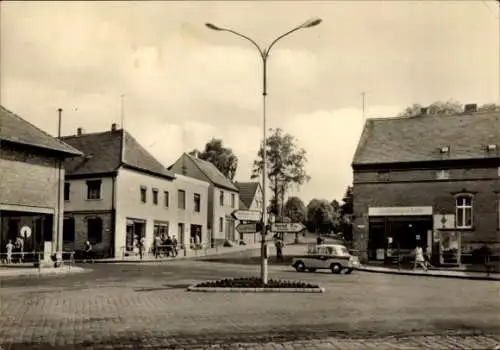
254	282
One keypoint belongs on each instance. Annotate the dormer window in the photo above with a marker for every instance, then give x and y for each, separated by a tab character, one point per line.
444	149
491	148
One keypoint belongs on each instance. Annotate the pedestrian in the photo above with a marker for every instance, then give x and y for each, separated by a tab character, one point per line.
279	249
168	243
156	246
140	245
419	258
19	245
9	248
88	254
174	246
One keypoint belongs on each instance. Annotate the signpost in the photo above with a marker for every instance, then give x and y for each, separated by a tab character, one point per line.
284	227
248	228
247	215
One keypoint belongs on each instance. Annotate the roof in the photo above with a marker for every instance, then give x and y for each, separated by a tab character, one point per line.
103	154
242	205
247	192
15	129
419	139
212	173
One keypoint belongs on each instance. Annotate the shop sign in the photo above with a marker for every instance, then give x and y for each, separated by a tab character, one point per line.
399	211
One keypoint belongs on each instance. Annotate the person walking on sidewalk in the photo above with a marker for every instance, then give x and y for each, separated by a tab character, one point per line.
9	248
88	254
419	258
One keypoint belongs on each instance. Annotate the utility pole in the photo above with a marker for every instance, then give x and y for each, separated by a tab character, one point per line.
59	184
363	94
122	111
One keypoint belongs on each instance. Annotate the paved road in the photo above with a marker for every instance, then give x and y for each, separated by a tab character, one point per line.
145	305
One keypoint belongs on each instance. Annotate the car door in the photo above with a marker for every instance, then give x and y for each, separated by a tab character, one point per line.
323	258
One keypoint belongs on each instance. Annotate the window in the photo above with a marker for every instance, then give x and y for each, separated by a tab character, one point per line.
233	200
464	211
144	194
93	189
160	229
197	202
155	196
180	232
181	199
221	224
94	230
221	198
166	198
66	191
69	230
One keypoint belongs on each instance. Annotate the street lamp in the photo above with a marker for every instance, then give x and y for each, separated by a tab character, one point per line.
264	54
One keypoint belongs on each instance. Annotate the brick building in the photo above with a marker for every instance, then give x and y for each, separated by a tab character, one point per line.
30	172
432	180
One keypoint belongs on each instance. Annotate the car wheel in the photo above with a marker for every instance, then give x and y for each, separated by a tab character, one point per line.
300	267
336	268
311	270
348	271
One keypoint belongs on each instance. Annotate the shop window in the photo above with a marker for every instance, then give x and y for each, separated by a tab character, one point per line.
93	189
155	196
181	199
69	230
160	229
197	202
233	200
166	199
94	230
221	198
464	211
144	194
66	191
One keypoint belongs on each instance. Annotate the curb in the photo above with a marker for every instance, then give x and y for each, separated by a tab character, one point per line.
426	274
193	288
47	272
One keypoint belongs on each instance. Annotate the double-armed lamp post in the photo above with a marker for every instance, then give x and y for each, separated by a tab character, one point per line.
264	54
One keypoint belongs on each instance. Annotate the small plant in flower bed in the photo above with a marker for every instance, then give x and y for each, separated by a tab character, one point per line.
254	282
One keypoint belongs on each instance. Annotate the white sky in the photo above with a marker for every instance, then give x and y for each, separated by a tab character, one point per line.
185	84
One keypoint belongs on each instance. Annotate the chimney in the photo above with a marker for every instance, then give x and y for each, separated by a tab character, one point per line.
79	132
470	108
114	127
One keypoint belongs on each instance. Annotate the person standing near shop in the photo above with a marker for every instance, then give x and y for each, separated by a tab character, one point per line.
419	258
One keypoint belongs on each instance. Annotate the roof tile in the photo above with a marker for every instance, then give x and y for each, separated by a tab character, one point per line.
247	192
418	139
213	174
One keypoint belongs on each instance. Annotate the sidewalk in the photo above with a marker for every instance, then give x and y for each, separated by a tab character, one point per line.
31	271
191	254
432	273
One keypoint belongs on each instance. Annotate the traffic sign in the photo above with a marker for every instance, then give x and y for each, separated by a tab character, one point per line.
284	227
248	228
247	215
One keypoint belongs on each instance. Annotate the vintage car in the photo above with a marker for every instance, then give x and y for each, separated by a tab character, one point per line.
334	257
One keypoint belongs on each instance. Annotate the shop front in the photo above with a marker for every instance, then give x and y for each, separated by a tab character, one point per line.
136	230
394	232
35	230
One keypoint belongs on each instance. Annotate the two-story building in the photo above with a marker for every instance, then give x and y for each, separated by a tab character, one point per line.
250	199
118	193
31	185
223	197
428	180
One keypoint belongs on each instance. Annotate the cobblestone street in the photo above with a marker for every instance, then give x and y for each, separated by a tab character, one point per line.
146	306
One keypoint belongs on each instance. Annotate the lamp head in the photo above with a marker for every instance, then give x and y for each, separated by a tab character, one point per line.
212	26
311	23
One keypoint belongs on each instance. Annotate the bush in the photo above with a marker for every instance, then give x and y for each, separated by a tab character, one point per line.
254	282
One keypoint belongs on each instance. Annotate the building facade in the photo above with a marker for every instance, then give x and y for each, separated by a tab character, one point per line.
223	197
428	180
28	208
250	199
119	193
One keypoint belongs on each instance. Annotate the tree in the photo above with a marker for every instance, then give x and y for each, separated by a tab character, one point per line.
285	166
346	213
320	216
223	158
295	209
445	108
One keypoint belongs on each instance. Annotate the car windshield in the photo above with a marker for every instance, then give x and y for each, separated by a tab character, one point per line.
343	251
